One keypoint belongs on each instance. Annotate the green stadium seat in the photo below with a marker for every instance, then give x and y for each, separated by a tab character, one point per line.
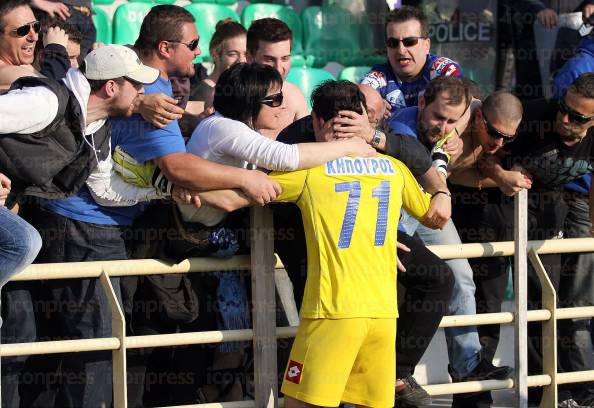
307	79
227	2
204	1
165	1
331	33
207	16
286	14
141	1
103	2
103	25
353	74
127	20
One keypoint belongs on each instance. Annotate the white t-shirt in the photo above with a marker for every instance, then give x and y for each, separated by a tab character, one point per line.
227	141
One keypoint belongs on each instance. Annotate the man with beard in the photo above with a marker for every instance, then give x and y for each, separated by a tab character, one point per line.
106	85
441	109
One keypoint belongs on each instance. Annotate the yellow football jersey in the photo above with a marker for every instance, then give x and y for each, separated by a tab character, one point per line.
350	208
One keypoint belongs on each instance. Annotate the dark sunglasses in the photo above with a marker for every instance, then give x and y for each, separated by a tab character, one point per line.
573	115
497	134
192	45
23	30
274	101
406	41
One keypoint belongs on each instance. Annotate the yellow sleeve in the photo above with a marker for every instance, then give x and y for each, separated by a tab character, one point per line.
414	200
292	183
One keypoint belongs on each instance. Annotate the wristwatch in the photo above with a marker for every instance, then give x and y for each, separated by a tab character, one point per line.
377	138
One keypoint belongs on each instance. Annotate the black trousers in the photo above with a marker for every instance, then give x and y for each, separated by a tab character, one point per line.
72	309
424	292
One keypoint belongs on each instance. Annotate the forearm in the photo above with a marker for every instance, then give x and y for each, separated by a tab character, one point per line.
433	182
409	151
110	190
196	173
227	200
314	154
54	62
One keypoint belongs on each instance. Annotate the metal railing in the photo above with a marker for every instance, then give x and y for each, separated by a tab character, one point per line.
264	334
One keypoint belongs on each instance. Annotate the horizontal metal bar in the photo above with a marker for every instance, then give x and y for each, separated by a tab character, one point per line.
59	346
136	267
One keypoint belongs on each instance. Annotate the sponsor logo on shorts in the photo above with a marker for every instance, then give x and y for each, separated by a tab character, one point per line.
294	372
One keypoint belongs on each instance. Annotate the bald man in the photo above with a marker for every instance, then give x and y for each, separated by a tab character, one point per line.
482	213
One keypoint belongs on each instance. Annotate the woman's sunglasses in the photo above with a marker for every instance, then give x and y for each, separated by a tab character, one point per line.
406	41
497	134
274	101
573	115
23	30
192	45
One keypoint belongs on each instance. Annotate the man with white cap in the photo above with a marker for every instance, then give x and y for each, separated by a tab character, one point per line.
68	134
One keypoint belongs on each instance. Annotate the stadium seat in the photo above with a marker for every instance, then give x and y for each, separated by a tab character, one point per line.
103	25
227	2
127	20
307	79
286	14
204	1
141	1
331	33
207	16
105	2
165	1
354	74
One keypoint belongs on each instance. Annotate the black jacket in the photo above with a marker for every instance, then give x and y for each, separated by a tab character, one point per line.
56	161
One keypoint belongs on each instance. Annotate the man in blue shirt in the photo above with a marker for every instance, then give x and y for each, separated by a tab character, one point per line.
410	66
440	110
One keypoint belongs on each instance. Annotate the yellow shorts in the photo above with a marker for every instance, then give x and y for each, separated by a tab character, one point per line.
349	360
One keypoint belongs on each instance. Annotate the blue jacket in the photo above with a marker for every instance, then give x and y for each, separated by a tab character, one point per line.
582	62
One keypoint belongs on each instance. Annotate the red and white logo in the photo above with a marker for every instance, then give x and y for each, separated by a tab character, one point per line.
294	371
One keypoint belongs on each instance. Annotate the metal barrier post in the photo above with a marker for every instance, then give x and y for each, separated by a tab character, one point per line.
118	329
521	303
264	308
549	332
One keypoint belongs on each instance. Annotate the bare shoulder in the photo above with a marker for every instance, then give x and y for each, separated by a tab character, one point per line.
295	100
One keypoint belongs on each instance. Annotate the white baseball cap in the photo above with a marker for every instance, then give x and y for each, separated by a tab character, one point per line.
115	61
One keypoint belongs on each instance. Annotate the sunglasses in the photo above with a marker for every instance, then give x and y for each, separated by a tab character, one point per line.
23	30
192	45
497	134
573	115
406	41
274	101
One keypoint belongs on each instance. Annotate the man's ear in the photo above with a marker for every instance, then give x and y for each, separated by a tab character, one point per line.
110	88
164	48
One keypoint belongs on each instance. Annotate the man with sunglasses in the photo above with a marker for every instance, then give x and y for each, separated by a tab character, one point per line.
554	147
577	343
410	66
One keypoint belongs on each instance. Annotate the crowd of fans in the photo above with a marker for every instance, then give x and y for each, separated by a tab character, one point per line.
131	152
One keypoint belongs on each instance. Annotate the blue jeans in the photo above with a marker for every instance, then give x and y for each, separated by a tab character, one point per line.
463	342
19	244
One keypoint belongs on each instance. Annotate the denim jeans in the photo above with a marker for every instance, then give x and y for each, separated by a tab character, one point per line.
19	244
72	309
463	342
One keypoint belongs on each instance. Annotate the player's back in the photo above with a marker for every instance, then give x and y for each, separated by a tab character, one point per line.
350	209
